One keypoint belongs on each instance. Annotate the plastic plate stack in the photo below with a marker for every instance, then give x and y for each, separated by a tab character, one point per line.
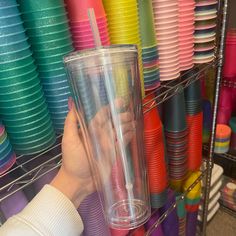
166	27
23	109
47	27
205	31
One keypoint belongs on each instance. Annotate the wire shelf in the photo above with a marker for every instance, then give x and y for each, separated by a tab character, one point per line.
227	156
227	210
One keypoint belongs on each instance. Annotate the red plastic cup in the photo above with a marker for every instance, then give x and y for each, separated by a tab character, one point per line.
78	10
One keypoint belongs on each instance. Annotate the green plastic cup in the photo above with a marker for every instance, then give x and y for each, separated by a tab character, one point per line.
55	51
51	44
41	22
50	60
47	29
27	120
30	149
11	109
15	93
44	13
22	100
52	73
35	6
29	126
146	20
16	72
30	135
42	38
52	66
16	64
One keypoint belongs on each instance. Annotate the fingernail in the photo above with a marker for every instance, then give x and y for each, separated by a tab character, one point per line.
70	103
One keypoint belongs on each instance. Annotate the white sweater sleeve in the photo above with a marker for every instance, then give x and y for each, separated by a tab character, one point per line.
50	213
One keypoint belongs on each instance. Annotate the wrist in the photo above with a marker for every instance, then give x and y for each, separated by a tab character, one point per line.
70	187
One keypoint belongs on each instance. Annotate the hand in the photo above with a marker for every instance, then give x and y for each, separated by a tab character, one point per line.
74	178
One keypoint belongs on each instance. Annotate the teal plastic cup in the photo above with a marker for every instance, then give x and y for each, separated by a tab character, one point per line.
41	22
52	73
47	29
24	113
29	80
15	56
52	66
11	109
50	60
17	94
30	135
45	118
10	21
42	38
18	71
175	114
34	148
51	44
55	51
8	66
35	6
13	43
26	120
44	13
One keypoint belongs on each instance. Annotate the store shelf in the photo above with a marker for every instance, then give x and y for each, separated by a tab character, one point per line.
170	88
173	206
227	210
28	169
227	156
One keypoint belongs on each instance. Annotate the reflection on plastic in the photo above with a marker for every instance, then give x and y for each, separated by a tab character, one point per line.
106	88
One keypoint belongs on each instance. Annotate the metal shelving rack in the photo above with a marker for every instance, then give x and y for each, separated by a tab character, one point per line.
28	169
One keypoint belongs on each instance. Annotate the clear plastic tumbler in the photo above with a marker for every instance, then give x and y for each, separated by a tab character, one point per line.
107	93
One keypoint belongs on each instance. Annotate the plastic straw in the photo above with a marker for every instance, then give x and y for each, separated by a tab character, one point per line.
109	88
94	27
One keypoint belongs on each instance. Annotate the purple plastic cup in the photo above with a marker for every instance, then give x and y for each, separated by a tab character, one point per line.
170	225
92	216
191	225
158	231
13	204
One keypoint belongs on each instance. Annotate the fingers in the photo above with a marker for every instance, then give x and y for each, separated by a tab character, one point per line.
71	126
126	117
101	117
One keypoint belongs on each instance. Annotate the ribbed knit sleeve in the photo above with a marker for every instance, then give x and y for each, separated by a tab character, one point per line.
50	213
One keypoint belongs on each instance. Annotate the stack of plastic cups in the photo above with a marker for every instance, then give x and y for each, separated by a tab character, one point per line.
229	70
154	218
7	155
47	27
123	24
195	122
206	109
23	109
186	31
222	139
155	153
181	212
149	45
139	231
92	216
205	31
232	124
166	27
176	133
192	202
14	203
80	26
170	224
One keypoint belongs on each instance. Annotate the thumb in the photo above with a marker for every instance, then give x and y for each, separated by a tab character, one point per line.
71	131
